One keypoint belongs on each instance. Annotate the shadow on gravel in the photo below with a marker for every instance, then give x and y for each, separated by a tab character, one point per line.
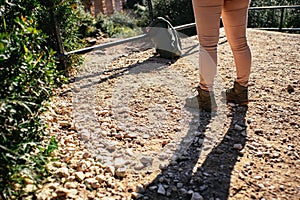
190	48
183	179
109	74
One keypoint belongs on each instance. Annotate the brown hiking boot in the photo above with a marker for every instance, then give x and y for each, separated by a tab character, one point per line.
205	100
238	94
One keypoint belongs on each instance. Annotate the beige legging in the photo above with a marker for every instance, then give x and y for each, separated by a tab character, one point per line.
234	17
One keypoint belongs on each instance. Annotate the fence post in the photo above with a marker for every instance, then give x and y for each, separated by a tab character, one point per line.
281	19
150	7
59	46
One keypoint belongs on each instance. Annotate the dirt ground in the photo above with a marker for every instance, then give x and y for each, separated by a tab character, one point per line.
126	133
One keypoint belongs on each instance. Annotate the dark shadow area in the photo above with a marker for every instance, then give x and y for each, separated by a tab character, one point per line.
215	172
178	174
212	178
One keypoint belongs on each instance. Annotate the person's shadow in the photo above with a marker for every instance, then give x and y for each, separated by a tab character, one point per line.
211	179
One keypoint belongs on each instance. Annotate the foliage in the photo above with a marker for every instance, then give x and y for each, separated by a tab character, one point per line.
73	23
87	27
174	11
27	77
141	13
169	9
132	3
118	24
271	18
273	2
28	74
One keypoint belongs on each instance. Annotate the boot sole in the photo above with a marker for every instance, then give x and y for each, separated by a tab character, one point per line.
244	103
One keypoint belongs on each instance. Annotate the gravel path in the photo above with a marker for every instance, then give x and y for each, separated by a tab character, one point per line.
126	131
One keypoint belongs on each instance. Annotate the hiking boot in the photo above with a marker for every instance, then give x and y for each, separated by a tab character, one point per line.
205	100
238	94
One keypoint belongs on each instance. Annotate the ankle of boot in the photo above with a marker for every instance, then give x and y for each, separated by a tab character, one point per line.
238	88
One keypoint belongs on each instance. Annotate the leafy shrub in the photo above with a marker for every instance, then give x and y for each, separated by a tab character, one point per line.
73	24
117	24
28	74
121	18
141	14
271	17
105	24
174	11
132	3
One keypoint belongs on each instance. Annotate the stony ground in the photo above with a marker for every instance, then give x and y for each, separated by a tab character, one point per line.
125	133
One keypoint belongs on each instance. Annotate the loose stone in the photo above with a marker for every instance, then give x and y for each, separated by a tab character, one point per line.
196	196
238	127
161	189
79	176
238	146
121	172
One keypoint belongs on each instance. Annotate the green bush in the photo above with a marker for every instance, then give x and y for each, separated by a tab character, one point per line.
105	24
174	11
270	18
141	14
119	24
28	74
73	23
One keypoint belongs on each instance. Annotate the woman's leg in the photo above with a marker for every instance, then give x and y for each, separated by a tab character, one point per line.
207	15
234	17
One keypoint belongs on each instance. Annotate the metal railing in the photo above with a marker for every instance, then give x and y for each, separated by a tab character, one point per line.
282	9
186	26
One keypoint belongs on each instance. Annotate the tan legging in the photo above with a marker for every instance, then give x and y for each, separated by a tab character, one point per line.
234	17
